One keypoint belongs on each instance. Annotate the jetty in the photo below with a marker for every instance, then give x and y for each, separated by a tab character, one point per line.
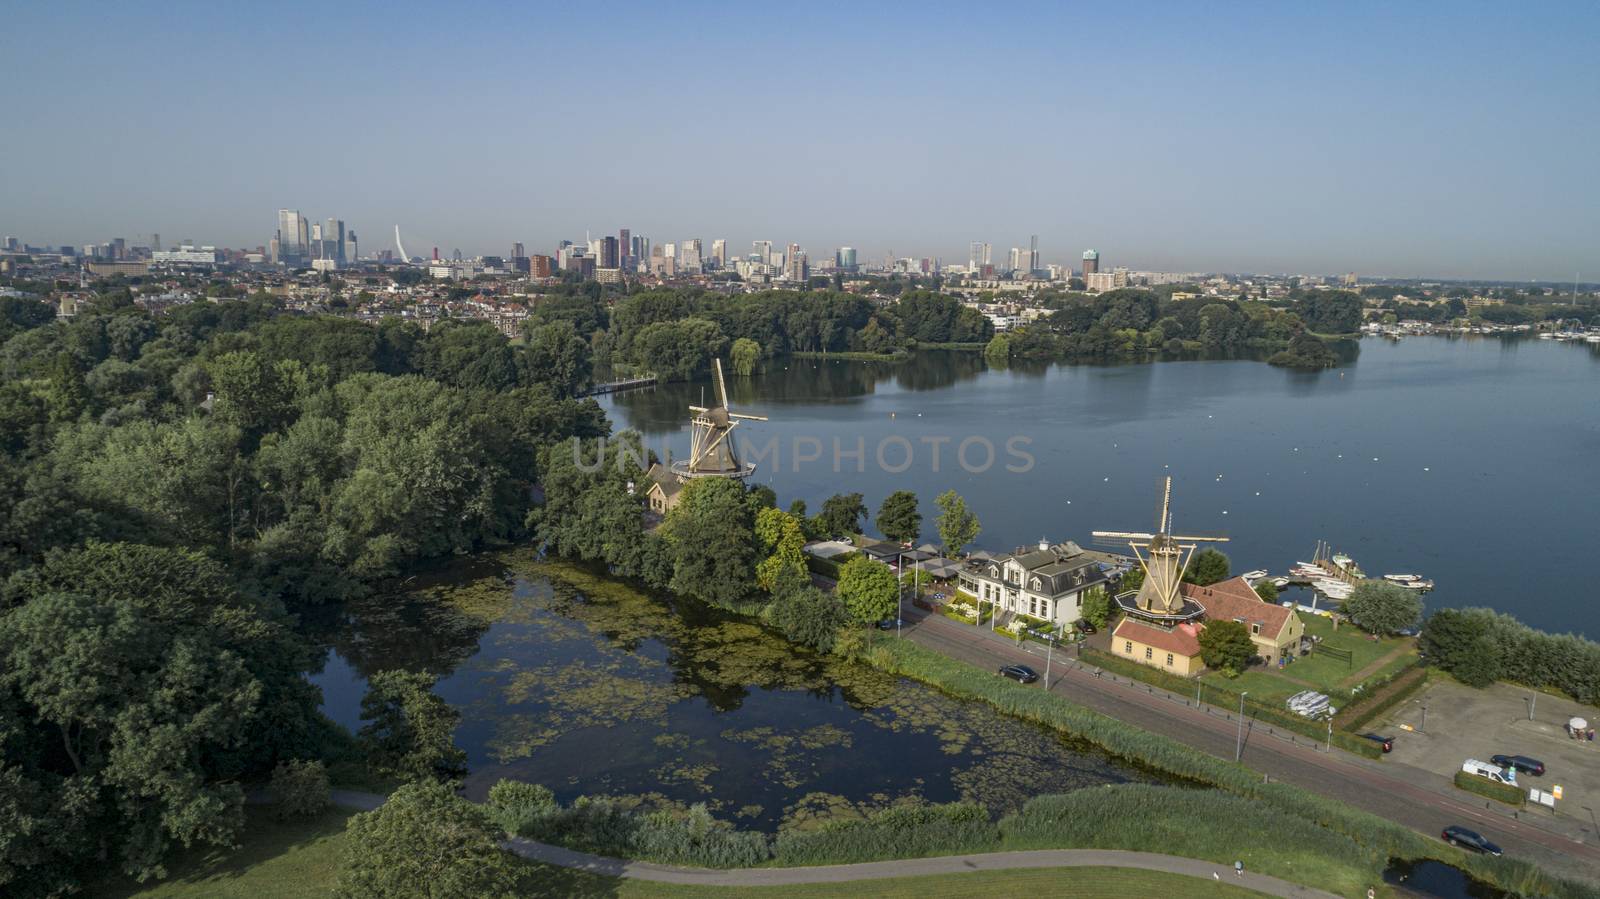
622	385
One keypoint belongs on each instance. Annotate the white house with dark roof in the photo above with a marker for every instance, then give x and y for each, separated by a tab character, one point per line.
1045	581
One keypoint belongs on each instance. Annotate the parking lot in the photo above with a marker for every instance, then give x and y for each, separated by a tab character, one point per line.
1466	723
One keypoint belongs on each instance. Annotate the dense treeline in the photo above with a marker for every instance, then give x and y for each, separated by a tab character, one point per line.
172	489
1481	646
1130	322
676	332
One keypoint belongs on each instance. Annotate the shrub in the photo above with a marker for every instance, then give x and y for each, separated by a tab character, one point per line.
1380	607
299	789
1480	646
909	831
809	617
424	842
512	803
1483	786
696	838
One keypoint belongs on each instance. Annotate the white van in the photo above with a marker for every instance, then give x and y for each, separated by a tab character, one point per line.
1493	772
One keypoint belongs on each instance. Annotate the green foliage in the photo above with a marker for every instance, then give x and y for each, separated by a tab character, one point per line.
1207	567
842	514
137	688
1267	590
1480	646
1306	352
1096	607
744	354
1383	608
909	831
809	616
1131	581
410	732
691	837
1487	788
558	357
958	526
998	350
299	789
1226	646
1331	311
898	517
868	589
678	350
425	842
783	567
711	538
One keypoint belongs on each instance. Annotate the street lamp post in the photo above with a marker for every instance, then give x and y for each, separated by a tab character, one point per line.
1049	651
1424	727
1532	701
1238	746
1592	819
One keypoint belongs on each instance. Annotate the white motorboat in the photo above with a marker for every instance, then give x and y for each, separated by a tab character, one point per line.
1402	578
1256	575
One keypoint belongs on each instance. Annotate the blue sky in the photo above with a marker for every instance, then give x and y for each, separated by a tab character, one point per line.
1448	139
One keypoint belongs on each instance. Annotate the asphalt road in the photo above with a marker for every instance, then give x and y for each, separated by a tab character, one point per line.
1404	794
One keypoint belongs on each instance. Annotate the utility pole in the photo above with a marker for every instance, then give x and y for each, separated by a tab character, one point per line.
1050	649
1238	746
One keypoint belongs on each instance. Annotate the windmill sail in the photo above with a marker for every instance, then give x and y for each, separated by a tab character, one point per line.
711	448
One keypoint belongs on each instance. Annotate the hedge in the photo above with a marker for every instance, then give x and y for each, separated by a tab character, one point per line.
828	568
1387	697
1490	789
1282	718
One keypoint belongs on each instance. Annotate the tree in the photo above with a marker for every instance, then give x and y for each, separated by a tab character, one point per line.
1206	568
1132	580
712	539
410	732
783	567
425	842
1460	642
898	517
159	687
299	789
1267	590
1381	607
1332	312
810	617
842	514
1226	646
957	525
558	356
869	589
998	352
1096	607
744	355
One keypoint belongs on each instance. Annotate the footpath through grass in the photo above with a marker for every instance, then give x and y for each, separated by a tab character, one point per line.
300	860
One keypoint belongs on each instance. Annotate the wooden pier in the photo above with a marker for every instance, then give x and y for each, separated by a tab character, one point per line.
622	385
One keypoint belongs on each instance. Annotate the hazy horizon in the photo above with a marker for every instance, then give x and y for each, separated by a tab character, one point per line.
1448	140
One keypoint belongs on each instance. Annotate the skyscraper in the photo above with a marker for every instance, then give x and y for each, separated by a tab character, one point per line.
291	236
333	240
517	252
1091	262
763	251
719	253
624	244
975	255
608	253
844	259
352	249
689	256
1033	253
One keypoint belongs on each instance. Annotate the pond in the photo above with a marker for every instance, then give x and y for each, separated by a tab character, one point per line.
593	688
1430	879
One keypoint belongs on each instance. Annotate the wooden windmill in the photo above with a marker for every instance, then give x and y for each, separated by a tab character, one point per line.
1164	558
711	450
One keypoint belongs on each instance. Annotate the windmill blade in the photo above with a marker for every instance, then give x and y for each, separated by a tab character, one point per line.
1203	539
1124	535
747	417
1165	521
722	389
698	409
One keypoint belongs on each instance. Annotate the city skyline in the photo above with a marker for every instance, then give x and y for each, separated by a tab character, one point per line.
1391	143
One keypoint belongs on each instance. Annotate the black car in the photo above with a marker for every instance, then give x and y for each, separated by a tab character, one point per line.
1084	627
1520	762
889	624
1457	835
1022	674
1386	742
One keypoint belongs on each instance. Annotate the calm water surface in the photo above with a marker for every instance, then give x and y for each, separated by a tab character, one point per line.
591	688
1470	461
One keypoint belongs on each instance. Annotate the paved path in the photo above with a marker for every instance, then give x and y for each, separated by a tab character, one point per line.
1411	796
910	867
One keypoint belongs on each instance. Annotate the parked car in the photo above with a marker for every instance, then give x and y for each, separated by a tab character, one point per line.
1084	627
1520	762
1456	835
1492	772
1386	742
1022	674
889	624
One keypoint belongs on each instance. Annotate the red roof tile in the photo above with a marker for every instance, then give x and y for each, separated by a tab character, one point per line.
1235	599
1183	639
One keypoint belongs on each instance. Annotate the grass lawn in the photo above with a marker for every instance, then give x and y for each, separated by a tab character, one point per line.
295	860
1318	671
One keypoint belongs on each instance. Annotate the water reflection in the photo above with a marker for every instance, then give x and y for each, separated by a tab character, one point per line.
593	688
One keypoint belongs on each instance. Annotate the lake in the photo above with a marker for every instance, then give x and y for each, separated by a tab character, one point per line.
592	688
1468	460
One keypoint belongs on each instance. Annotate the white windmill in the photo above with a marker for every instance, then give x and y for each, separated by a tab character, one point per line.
711	450
1164	558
